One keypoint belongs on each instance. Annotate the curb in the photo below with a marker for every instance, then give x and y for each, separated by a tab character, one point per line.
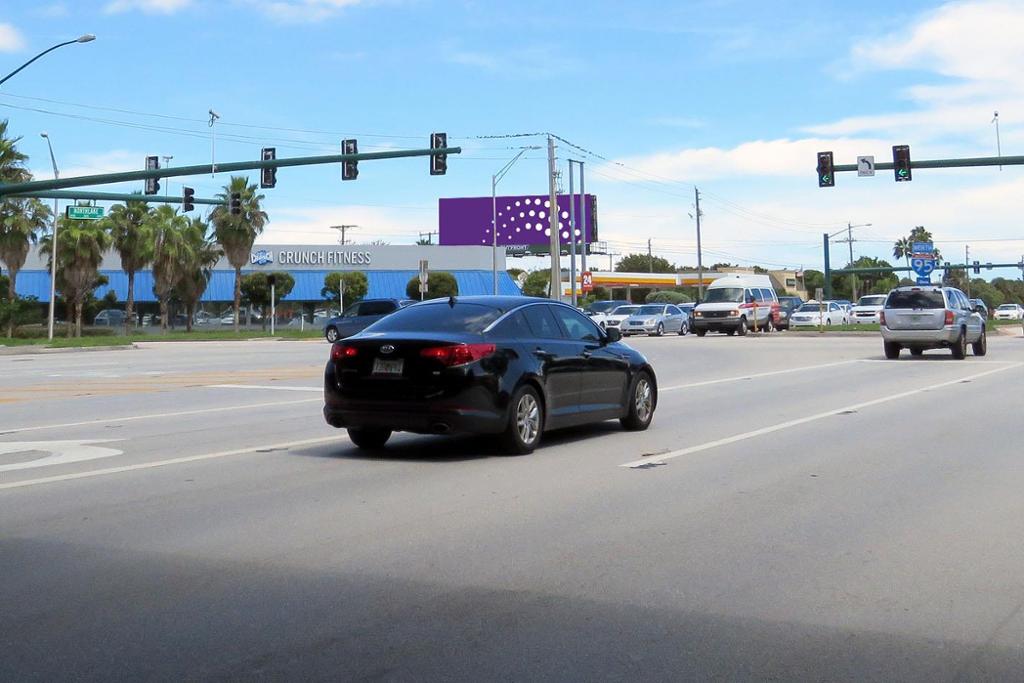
30	350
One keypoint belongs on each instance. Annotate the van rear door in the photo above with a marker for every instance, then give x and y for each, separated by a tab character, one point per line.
915	309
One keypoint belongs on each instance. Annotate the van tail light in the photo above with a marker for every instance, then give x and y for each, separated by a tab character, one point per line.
949	317
458	354
881	317
340	351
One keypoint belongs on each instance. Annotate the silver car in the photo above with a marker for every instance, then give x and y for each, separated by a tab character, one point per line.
931	317
656	319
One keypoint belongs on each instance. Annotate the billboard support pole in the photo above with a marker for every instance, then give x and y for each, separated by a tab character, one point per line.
494	234
583	222
556	268
572	239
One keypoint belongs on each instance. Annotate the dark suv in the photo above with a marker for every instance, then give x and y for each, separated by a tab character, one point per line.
361	315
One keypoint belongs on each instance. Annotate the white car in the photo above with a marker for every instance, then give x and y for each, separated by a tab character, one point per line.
812	315
615	318
866	309
1010	312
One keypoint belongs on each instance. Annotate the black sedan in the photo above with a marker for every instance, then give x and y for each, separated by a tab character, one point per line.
510	366
361	315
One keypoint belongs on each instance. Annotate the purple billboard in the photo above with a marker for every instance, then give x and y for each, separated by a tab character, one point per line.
522	220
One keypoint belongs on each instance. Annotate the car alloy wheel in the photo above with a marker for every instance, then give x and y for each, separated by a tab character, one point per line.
960	346
683	329
332	334
742	329
980	347
660	331
528	418
525	421
640	409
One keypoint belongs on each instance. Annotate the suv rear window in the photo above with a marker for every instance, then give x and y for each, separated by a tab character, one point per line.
916	299
439	317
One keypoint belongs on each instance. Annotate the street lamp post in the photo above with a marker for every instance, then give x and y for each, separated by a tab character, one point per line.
53	245
495	179
86	38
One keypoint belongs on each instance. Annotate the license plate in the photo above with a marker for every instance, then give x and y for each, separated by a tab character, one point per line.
387	367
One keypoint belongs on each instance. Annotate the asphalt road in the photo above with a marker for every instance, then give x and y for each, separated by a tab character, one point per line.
799	510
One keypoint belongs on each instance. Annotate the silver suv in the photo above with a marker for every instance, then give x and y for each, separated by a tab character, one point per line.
931	317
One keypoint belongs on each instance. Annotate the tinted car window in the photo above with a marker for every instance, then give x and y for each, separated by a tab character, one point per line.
376	307
440	317
916	299
542	322
514	326
576	325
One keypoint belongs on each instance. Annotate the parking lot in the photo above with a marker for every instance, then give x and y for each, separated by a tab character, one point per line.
799	508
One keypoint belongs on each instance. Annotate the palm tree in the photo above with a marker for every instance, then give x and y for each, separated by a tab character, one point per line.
170	254
201	256
236	234
21	222
12	162
902	249
79	255
133	240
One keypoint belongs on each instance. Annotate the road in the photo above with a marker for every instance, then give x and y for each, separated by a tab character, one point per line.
800	509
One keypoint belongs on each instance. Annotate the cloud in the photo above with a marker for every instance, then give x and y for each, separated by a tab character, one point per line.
56	10
10	39
302	11
531	61
146	6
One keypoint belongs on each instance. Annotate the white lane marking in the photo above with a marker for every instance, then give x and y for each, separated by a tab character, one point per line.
154	416
172	461
660	460
263	386
61	452
757	375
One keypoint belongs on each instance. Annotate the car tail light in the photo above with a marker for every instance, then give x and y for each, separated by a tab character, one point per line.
458	354
881	317
949	317
339	351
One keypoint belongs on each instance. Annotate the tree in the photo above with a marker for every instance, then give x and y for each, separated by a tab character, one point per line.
80	250
813	280
133	240
439	284
667	297
904	247
256	289
378	243
537	283
236	234
356	286
22	220
12	162
642	263
170	254
197	265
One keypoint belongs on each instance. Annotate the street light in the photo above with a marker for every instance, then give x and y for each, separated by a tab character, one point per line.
494	214
53	245
87	38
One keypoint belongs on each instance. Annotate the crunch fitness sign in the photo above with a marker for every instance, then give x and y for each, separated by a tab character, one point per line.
310	257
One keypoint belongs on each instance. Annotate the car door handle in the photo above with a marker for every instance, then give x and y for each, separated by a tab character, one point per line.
542	354
587	353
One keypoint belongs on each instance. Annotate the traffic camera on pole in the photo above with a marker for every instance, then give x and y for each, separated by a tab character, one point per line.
268	176
826	173
349	169
901	163
152	184
187	193
236	204
438	162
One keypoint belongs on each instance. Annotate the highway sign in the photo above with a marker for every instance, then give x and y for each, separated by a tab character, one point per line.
866	166
84	213
923	248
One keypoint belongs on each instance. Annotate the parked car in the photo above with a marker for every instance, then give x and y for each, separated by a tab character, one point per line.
816	314
981	307
735	303
109	317
615	318
1010	312
867	309
509	366
655	320
930	317
203	318
599	310
787	305
361	315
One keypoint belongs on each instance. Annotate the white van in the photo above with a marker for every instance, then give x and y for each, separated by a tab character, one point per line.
733	303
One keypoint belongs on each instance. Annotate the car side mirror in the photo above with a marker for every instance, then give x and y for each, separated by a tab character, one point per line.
612	335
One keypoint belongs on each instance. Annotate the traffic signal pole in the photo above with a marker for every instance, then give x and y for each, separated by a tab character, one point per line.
36	186
114	197
941	163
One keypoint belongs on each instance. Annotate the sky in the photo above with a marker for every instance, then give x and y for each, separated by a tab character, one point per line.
734	98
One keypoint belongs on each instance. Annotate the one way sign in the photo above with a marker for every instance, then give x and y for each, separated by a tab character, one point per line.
866	166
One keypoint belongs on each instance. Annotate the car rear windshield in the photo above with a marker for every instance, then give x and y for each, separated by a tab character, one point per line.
625	310
921	298
722	295
871	300
440	317
810	308
1008	307
650	310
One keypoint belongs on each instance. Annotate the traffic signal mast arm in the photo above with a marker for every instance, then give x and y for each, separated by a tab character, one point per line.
940	163
34	187
114	197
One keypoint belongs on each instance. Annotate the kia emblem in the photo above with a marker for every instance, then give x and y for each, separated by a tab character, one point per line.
387	348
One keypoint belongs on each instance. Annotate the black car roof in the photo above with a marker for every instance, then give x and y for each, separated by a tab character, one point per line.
501	302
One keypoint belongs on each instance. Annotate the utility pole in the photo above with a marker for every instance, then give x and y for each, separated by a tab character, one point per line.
700	264
650	257
583	222
342	229
553	213
167	162
849	241
572	239
429	236
611	265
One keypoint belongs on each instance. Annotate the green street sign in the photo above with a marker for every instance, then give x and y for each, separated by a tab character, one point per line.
84	213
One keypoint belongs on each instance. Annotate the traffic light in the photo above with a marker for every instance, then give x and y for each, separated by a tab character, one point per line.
826	173
901	163
268	176
236	204
438	162
977	267
349	169
187	193
152	184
